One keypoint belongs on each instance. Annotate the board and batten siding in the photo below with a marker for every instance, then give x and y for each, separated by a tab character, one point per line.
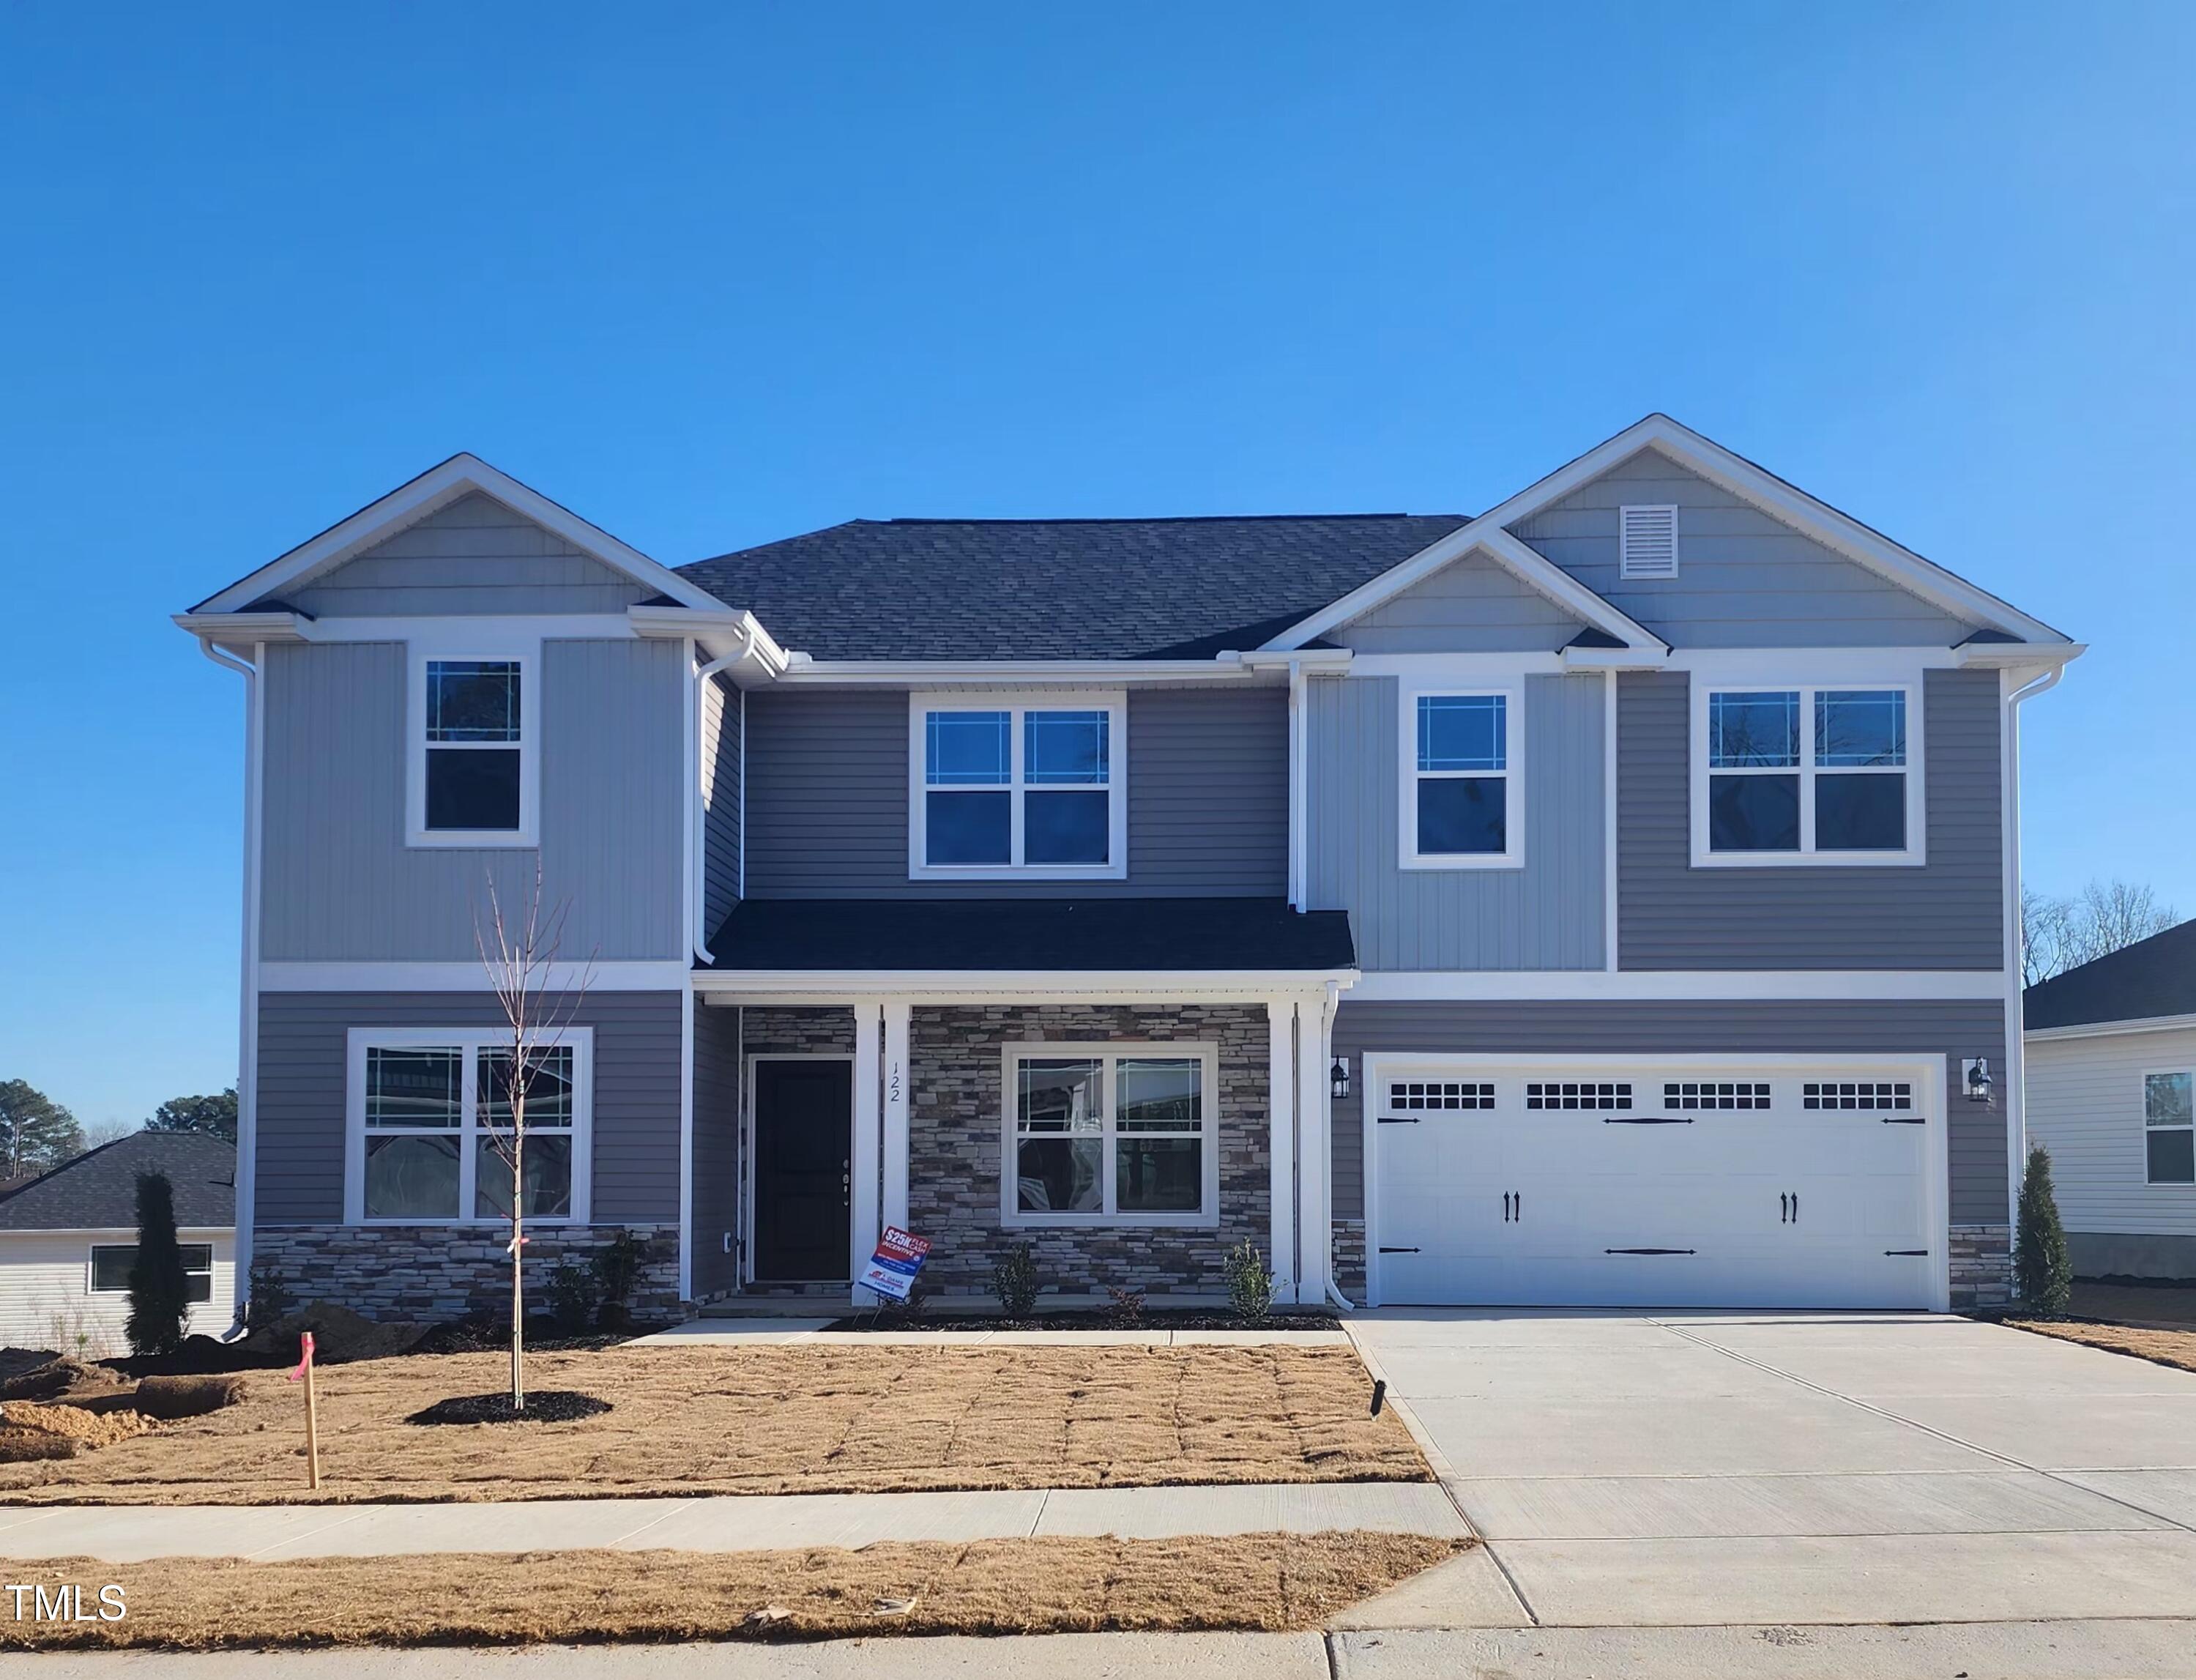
1744	579
473	556
46	1299
1944	914
2085	1106
716	1150
1472	605
302	1046
1890	1027
339	884
723	709
1547	915
1208	790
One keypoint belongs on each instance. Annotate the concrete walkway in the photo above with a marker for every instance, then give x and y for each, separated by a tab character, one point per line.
132	1534
1639	1470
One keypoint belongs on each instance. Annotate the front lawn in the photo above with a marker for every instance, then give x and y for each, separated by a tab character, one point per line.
788	1419
2165	1347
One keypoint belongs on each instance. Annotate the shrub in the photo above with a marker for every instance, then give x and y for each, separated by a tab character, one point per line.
575	1295
266	1298
158	1288
1013	1275
1124	1307
1249	1285
2043	1271
617	1266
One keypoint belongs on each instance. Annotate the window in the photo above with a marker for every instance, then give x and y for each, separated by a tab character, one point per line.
1460	807
1806	774
1031	787
1691	1096
472	775
432	1113
111	1263
1647	542
1107	1135
2168	1128
1407	1096
1866	1096
1579	1094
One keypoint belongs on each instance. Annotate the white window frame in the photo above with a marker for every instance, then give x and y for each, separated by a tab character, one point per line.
472	1041
91	1268
1916	851
1513	854
1111	1053
1017	703
2142	1120
526	654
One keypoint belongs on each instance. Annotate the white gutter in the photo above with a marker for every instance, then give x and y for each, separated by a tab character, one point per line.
2016	1060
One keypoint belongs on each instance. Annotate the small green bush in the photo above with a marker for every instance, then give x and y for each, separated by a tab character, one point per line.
1124	1307
266	1298
1013	1275
160	1297
1249	1285
2042	1270
574	1294
617	1266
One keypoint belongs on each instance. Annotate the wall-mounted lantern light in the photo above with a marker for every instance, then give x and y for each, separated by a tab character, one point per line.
1338	1077
1976	1074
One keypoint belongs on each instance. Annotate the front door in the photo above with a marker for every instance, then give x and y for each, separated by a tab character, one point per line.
803	1170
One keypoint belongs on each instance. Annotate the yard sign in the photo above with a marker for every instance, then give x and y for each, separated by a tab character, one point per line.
891	1269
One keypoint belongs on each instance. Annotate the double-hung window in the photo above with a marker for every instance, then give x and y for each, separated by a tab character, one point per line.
471	770
1461	808
2168	1128
1017	787
1110	1134
1817	774
433	1127
111	1265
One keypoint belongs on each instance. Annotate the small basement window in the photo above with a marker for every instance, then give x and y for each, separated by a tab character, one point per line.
2168	1128
111	1263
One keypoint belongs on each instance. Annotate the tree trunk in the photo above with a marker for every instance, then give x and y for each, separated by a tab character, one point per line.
518	1249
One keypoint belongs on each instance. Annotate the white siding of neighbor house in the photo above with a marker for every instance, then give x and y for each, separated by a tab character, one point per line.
2085	1106
46	1299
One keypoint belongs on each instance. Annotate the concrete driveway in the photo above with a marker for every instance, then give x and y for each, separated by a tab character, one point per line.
1674	1470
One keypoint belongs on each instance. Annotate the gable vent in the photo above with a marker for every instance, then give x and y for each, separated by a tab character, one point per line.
1649	543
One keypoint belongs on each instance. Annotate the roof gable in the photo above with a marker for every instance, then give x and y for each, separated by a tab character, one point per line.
1474	604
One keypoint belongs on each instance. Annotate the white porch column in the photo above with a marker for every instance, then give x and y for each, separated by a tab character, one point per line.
868	1143
1281	1111
1315	1151
895	1126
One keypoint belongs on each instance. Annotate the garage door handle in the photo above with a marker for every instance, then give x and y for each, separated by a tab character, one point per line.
1789	1200
1906	1251
1905	1119
1647	1251
1398	1119
1647	1119
1385	1250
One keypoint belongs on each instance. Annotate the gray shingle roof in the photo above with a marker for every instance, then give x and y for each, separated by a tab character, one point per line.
2154	976
1057	588
99	1190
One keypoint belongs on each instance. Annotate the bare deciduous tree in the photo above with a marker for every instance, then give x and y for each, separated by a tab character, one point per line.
521	958
2058	934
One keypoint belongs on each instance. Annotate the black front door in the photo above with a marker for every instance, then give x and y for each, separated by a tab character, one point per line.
804	1113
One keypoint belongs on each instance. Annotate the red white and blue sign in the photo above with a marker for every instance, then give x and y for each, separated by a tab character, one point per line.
891	1269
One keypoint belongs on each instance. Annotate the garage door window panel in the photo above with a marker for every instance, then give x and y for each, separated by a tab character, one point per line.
1112	1135
2169	1124
1807	775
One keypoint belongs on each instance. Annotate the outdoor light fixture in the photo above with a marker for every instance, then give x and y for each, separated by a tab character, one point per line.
1338	1077
1976	1071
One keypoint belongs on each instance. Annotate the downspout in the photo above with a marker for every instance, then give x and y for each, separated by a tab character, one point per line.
2016	1053
1326	1015
1297	815
246	1175
699	876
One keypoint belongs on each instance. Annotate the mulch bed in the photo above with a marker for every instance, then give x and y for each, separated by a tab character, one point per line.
1084	1319
547	1405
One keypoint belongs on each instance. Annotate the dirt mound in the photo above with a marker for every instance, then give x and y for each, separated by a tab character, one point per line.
171	1397
61	1378
339	1336
92	1428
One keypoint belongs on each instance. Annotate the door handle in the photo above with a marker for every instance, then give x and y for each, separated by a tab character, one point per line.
1783	1208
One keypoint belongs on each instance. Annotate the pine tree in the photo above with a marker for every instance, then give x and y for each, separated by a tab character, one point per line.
160	1296
2043	1271
36	1133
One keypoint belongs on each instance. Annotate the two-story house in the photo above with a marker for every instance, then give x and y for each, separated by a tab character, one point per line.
1607	900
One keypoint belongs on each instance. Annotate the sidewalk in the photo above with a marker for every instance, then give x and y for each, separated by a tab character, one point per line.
130	1535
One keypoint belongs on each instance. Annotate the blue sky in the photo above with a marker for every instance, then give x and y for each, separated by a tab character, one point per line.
715	274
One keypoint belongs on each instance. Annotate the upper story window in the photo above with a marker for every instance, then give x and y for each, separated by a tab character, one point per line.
2168	1128
471	770
1805	775
1017	787
1461	806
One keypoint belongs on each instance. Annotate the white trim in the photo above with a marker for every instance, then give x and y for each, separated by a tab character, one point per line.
1315	1151
1914	856
1109	1054
456	631
1609	928
1681	985
242	628
488	643
1462	669
1923	578
1931	1074
642	977
2098	1029
1022	673
897	1079
2183	1070
834	987
471	1042
686	1145
2011	691
1281	1144
743	1275
738	636
1017	703
865	1153
1409	776
433	489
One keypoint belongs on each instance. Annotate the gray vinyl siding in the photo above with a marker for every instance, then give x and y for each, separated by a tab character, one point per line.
1744	579
716	1148
828	790
1547	915
301	1068
1944	914
722	712
1473	605
340	884
474	556
1886	1027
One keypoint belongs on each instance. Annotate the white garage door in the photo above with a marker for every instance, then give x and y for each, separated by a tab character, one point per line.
1549	1184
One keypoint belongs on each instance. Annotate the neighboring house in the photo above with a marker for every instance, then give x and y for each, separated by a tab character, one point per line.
68	1238
1603	900
2111	1093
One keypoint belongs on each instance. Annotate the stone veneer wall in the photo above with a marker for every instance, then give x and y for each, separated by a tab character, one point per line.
1349	1258
431	1273
1982	1266
957	1144
797	1032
